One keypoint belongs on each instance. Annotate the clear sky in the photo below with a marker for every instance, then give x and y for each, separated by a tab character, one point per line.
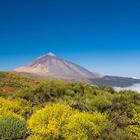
101	35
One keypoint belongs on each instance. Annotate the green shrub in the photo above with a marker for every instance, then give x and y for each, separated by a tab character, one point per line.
12	127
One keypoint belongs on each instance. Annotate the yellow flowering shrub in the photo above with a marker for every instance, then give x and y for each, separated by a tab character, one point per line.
19	107
61	121
134	127
35	137
9	105
48	121
84	126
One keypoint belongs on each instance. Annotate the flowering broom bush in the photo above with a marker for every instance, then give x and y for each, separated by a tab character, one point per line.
84	126
48	121
61	121
134	127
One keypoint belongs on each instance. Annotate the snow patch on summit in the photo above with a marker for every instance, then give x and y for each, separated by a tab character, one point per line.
51	54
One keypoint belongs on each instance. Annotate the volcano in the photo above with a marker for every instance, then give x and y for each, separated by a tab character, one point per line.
53	66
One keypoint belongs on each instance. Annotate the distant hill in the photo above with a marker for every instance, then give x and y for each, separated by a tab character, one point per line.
115	81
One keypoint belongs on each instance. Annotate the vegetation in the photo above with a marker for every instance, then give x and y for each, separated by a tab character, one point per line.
40	110
12	126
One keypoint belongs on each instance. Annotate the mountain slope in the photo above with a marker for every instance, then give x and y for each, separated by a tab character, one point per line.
51	65
12	83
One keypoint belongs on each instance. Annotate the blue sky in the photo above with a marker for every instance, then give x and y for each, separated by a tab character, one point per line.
101	35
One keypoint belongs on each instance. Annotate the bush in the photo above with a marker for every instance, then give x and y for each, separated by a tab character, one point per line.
36	137
48	122
134	127
84	126
98	103
61	121
12	127
20	107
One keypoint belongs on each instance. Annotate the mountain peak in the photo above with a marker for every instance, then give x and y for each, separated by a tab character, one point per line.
50	65
45	56
51	54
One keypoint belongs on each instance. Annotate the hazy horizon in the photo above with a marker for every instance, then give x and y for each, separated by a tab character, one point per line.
102	36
